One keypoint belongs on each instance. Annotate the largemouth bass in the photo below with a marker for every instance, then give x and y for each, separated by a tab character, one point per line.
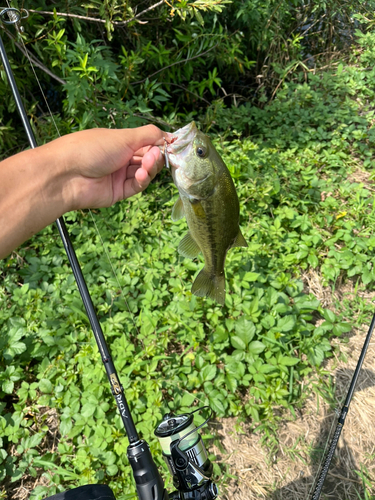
209	202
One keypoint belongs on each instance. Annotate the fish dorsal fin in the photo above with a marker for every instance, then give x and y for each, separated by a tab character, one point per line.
239	241
188	247
178	210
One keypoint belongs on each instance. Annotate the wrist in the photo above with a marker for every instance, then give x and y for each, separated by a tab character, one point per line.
54	178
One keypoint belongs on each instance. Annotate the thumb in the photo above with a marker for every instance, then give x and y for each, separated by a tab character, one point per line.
137	138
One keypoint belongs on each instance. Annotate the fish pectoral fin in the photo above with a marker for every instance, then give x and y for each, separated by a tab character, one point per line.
239	241
188	247
197	208
178	210
210	285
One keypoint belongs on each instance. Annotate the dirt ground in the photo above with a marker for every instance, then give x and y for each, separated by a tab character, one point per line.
292	472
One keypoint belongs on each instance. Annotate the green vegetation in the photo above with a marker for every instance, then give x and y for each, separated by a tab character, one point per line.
302	164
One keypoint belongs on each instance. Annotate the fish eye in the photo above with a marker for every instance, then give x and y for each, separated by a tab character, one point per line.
201	152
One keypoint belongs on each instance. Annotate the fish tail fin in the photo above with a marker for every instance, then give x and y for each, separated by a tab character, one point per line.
210	285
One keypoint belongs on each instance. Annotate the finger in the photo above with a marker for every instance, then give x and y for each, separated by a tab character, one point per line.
138	155
131	170
142	151
139	176
153	161
99	152
142	137
137	184
126	183
159	157
136	160
137	179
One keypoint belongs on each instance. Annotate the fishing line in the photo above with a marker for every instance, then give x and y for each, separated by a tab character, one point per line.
113	271
92	217
40	87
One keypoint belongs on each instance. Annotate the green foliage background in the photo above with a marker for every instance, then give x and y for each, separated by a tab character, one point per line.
293	148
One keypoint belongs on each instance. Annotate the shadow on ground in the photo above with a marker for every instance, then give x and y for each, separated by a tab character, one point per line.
342	482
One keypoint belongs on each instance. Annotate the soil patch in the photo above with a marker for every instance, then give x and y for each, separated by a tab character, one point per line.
291	473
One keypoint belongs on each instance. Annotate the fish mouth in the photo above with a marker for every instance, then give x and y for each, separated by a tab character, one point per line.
179	140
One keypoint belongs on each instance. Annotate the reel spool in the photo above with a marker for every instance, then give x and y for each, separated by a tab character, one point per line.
186	457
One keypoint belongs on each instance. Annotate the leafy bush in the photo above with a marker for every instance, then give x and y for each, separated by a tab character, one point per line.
173	350
166	64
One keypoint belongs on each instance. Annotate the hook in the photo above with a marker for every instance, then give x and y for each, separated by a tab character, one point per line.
166	153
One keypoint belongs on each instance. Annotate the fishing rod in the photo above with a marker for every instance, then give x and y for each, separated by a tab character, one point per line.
182	445
341	420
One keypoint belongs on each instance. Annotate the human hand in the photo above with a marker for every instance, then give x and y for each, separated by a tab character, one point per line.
107	165
88	169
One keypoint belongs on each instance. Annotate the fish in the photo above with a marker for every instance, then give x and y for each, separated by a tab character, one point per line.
209	201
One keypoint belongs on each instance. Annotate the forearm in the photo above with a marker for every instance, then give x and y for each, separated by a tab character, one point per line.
35	190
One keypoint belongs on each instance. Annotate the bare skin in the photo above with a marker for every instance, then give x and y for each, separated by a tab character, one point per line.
89	169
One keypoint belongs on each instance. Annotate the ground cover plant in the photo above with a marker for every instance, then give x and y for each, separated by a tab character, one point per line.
295	161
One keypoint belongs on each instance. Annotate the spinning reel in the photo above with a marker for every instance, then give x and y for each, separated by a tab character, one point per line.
186	457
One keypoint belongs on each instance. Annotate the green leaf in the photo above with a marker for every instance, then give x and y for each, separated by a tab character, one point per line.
217	402
286	323
266	368
8	386
65	426
208	372
341	327
199	17
268	321
16	475
256	347
236	368
312	259
110	458
305	302
112	470
220	335
245	330
237	342
251	276
289	361
187	399
35	440
45	385
329	315
88	410
367	276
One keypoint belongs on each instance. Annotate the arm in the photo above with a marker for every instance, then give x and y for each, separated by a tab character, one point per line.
88	169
